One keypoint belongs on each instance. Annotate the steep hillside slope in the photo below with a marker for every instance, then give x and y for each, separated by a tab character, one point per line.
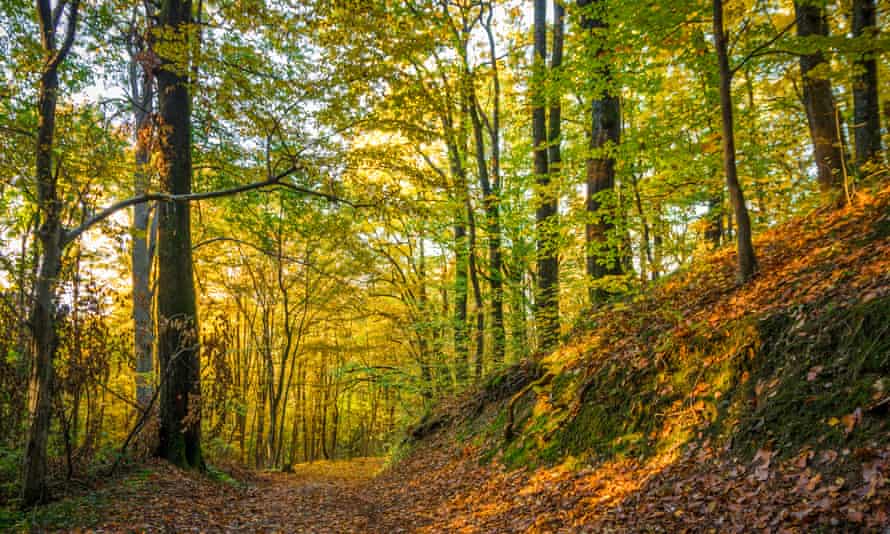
698	404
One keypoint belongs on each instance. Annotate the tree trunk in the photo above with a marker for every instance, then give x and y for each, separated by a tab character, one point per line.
605	133
422	325
479	308
42	318
491	189
461	266
178	353
491	202
819	102
141	87
714	229
518	316
747	262
547	294
866	110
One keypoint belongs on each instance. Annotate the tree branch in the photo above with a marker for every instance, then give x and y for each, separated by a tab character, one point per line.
274	181
757	51
70	30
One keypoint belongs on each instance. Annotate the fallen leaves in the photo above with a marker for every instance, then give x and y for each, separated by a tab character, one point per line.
444	488
850	420
761	465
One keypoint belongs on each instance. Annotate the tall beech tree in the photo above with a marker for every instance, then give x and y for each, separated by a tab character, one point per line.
866	109
489	172
605	134
819	100
142	94
56	46
747	261
546	202
178	348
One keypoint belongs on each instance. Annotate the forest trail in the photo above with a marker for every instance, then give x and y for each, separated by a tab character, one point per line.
319	497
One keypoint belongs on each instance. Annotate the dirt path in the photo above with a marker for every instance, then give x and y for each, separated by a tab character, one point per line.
321	497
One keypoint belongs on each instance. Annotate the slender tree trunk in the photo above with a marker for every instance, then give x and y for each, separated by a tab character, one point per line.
43	314
819	102
518	317
491	189
304	418
747	262
141	86
646	260
490	202
479	309
714	229
461	266
295	424
259	440
335	425
866	110
323	433
42	318
422	325
546	224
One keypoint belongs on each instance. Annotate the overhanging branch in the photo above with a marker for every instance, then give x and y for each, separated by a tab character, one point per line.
274	181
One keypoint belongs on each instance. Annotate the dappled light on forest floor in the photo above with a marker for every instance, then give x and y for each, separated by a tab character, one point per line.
699	491
444	489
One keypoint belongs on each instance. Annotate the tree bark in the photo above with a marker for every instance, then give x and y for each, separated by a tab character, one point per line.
461	266
42	318
547	294
866	110
479	308
180	429
747	262
518	317
819	102
491	189
605	132
142	89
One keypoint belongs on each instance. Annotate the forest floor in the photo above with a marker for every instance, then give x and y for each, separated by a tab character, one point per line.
439	488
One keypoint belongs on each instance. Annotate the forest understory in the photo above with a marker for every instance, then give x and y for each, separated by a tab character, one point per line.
797	441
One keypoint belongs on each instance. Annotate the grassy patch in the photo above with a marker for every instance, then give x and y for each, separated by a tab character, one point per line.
75	512
218	475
